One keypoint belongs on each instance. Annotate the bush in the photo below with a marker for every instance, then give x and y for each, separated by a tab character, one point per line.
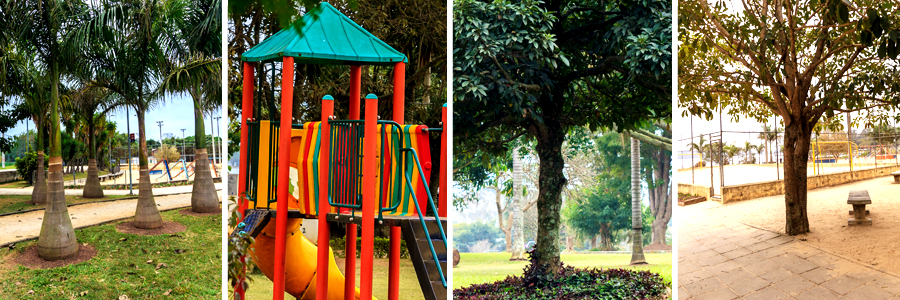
168	153
381	249
27	164
570	283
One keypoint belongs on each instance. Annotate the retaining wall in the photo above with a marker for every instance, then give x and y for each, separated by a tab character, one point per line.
8	175
771	188
695	189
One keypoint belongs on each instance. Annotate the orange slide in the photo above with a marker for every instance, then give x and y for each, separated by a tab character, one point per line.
300	263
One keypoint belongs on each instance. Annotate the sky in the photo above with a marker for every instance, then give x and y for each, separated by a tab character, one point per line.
177	113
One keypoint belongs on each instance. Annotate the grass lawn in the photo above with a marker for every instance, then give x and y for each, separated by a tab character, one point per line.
67	179
121	268
9	165
490	267
11	203
261	287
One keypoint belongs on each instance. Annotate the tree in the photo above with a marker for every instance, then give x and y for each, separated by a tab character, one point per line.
196	70
468	234
600	210
91	104
39	26
657	170
768	136
538	69
637	225
700	147
516	214
35	103
801	61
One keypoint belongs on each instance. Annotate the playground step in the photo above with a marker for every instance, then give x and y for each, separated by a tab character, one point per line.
417	242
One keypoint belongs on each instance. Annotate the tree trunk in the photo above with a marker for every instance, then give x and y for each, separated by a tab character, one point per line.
605	237
39	193
660	199
57	239
796	148
204	198
147	215
637	239
515	208
594	242
551	181
92	187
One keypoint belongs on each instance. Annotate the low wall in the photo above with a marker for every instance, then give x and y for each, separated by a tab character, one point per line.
695	189
771	188
8	175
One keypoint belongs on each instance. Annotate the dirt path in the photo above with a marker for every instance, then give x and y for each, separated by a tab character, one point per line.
28	225
156	191
877	246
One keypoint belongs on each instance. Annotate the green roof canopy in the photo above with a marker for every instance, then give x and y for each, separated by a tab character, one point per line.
329	38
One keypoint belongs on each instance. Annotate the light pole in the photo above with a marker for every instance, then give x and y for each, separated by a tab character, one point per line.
182	142
160	123
214	138
128	137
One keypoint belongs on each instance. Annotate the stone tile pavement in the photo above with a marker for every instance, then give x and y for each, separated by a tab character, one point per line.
723	260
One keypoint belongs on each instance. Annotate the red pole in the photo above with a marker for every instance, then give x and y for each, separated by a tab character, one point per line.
444	185
246	113
368	205
394	254
284	158
322	249
350	242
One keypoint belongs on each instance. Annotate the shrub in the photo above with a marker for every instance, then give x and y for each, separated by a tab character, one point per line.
570	283
168	153
27	164
381	249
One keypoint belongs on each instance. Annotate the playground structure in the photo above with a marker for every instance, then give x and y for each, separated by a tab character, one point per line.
165	172
361	172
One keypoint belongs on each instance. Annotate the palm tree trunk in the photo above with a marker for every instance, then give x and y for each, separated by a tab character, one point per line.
204	198
92	187
147	215
518	236
39	193
637	237
57	240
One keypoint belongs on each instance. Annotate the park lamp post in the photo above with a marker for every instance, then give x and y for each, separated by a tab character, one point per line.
182	143
219	151
128	127
160	123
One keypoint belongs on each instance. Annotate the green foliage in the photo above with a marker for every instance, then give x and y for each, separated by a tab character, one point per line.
570	283
71	148
27	164
382	247
238	246
466	235
601	210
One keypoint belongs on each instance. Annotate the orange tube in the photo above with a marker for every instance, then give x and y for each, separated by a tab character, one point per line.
350	242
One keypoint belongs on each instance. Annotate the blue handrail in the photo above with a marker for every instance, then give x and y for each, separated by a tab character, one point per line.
437	219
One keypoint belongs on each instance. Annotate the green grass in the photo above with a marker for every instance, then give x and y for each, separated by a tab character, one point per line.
9	165
261	287
67	179
121	268
490	267
13	203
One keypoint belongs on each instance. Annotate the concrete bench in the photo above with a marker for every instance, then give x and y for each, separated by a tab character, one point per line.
896	177
859	199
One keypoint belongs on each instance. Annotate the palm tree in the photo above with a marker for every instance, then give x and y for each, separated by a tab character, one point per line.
129	59
748	150
36	104
768	136
195	69
38	26
518	236
90	104
637	224
699	147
